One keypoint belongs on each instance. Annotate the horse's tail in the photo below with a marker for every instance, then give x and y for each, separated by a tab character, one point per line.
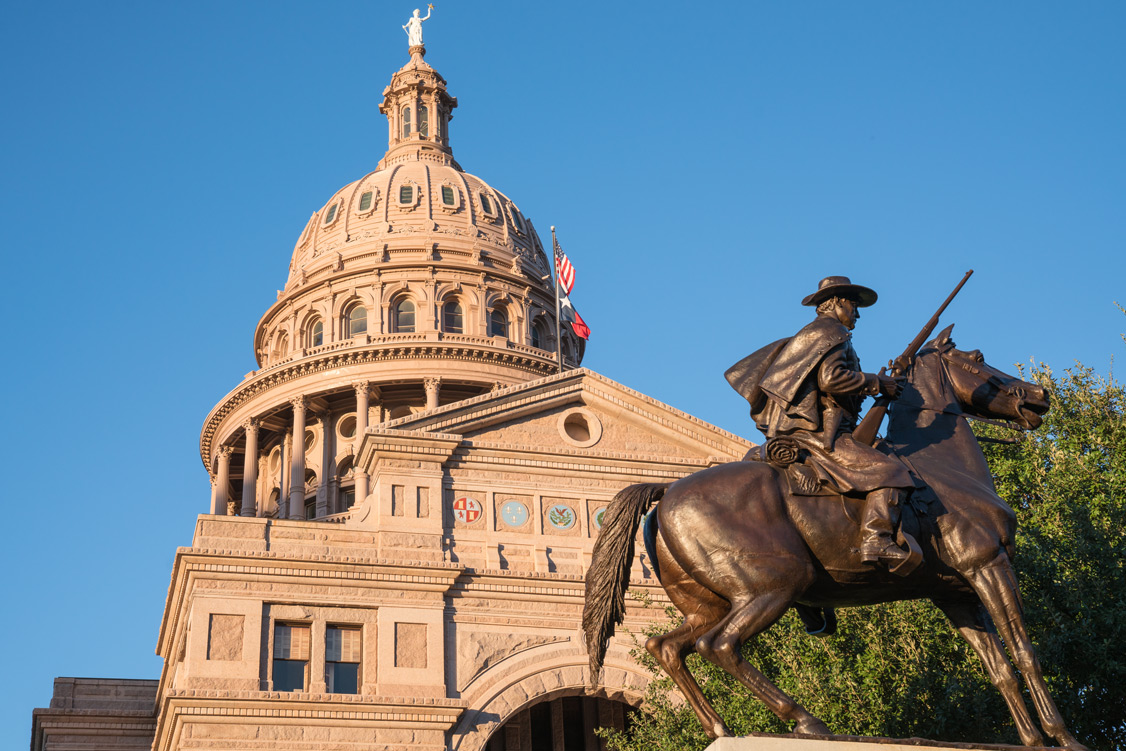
608	576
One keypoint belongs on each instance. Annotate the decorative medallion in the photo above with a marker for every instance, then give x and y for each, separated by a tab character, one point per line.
467	510
514	513
561	516
598	517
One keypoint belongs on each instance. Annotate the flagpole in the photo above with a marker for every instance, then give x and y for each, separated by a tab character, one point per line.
555	286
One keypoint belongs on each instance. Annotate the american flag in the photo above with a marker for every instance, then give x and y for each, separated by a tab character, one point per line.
566	270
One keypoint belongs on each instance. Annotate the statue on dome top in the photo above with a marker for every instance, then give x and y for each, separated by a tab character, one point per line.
413	26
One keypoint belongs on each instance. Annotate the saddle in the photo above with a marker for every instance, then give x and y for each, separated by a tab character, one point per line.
786	455
804	479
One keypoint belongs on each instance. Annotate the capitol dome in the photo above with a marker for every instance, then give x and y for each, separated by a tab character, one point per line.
416	286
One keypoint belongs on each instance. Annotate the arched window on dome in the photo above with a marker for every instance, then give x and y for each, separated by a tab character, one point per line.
402	317
280	348
316	333
356	320
406	122
539	333
423	121
498	322
453	318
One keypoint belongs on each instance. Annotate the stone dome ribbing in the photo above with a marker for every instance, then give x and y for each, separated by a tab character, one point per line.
446	208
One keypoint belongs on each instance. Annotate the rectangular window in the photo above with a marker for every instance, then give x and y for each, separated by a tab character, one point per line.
348	498
486	204
331	214
447	195
365	201
311	508
342	659
291	656
406	194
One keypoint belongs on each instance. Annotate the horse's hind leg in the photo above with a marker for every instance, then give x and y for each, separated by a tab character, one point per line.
973	624
996	585
702	609
723	646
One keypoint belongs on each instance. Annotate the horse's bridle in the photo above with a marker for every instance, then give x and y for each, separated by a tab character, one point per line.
1014	391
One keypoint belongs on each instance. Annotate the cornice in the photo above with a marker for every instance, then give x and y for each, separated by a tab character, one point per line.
247	707
391	347
573	382
418	575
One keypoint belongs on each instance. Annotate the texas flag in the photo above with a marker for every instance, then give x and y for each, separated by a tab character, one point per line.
571	316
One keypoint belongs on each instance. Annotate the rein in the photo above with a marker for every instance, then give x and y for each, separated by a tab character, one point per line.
994	381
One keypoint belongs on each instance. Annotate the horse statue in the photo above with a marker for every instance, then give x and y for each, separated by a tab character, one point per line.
734	549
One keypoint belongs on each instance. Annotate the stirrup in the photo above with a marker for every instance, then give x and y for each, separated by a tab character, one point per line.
901	559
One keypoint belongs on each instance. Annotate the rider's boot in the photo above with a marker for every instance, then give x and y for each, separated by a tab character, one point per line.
881	517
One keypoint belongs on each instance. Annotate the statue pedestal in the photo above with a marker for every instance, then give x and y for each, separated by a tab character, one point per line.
774	742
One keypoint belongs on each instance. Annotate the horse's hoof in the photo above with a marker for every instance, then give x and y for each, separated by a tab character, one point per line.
811	726
1068	741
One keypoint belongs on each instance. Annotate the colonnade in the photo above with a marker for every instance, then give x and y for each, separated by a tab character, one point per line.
291	500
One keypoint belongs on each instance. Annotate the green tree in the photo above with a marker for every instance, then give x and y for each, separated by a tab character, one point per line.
900	670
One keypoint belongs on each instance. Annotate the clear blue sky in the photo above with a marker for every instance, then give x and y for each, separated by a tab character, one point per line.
705	167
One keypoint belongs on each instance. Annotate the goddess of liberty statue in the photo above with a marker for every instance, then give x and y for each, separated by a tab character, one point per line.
413	26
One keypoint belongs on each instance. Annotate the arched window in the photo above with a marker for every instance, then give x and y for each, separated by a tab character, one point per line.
357	320
453	318
498	323
317	333
539	334
402	317
281	346
406	122
423	121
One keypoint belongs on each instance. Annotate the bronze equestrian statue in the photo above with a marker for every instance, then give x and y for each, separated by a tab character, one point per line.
823	516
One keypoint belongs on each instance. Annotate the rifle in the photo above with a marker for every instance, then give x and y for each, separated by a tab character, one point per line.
866	431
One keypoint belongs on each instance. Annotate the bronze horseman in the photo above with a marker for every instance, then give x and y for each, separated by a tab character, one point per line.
811	391
825	515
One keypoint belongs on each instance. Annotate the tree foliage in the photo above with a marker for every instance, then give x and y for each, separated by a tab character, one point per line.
901	670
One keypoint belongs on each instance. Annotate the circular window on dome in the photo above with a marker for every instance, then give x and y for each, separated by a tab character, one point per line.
580	427
348	427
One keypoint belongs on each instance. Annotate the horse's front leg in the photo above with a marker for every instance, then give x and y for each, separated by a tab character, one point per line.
996	585
973	624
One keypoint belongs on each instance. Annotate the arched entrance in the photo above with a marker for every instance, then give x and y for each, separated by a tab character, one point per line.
566	723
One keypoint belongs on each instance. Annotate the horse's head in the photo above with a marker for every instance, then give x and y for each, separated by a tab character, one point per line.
981	390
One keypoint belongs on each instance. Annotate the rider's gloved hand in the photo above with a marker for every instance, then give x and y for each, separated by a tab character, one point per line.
890	387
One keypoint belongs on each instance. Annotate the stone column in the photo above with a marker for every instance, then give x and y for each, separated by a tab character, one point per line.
328	475
250	470
297	461
363	391
283	466
222	481
432	385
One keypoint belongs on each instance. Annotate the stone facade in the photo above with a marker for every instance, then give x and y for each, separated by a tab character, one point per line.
405	495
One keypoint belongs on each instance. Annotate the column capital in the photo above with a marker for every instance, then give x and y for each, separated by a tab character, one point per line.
362	386
225	451
251	424
431	383
299	402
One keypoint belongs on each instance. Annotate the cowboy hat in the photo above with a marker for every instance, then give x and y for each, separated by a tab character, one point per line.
841	286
